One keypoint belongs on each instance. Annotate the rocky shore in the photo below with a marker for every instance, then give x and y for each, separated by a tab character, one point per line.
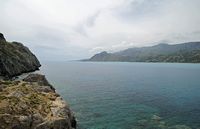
31	103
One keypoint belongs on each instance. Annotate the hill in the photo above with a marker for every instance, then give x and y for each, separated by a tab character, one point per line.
183	53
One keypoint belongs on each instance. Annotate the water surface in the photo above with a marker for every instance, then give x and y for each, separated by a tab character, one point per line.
111	95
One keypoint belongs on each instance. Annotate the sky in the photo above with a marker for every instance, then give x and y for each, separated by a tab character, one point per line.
77	29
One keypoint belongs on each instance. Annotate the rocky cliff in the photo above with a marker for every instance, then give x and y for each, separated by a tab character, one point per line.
15	58
33	104
30	103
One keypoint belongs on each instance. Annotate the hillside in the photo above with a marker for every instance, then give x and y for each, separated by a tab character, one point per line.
182	53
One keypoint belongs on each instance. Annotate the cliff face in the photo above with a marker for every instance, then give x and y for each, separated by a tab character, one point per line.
16	59
31	103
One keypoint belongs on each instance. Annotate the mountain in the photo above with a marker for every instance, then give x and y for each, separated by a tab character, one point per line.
15	58
184	53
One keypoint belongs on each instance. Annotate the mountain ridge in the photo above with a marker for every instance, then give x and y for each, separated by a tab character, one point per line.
188	52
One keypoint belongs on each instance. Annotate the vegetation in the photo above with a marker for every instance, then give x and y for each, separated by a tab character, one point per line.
182	53
24	99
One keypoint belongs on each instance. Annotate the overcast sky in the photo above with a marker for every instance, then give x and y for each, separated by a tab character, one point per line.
75	29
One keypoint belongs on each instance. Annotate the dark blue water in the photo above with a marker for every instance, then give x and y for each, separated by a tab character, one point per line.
129	95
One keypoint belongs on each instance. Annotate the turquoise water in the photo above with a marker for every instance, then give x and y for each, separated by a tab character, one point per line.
129	95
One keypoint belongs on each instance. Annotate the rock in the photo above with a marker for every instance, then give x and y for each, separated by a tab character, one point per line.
156	118
31	103
24	122
59	108
26	107
44	89
2	37
142	122
15	59
39	79
58	123
73	122
16	94
180	127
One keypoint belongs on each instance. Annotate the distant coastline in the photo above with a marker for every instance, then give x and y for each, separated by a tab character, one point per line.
162	53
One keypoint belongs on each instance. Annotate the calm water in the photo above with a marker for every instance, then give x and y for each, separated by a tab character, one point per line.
129	95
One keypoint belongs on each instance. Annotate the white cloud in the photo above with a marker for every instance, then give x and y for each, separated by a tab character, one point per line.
78	29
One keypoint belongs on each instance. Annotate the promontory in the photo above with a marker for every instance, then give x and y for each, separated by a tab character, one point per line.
31	102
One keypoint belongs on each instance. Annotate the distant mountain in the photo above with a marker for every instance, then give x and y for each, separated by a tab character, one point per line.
184	53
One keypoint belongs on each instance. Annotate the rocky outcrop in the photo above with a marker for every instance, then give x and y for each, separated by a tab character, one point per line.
39	79
15	59
33	105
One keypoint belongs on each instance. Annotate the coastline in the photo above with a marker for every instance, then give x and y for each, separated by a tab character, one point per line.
27	99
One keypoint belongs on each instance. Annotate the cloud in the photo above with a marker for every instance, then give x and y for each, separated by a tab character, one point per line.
136	10
97	49
91	20
74	29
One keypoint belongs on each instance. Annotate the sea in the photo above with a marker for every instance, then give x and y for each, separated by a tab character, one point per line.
122	95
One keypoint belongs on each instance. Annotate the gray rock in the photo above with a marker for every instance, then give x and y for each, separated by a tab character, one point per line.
2	37
59	123
156	118
16	93
14	122
179	127
15	59
39	79
44	89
